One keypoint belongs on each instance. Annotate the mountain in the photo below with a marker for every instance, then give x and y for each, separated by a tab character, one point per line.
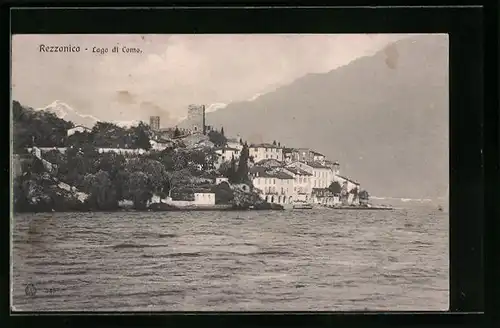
66	112
383	117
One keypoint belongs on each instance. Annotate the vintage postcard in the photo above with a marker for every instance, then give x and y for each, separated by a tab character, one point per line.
291	172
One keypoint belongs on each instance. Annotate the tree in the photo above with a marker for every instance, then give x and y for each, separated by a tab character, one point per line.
222	131
137	190
102	194
335	188
223	193
141	136
241	141
39	128
242	173
154	170
232	174
217	138
274	143
364	195
177	132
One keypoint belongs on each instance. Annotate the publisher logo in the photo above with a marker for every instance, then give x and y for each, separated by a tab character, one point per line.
30	290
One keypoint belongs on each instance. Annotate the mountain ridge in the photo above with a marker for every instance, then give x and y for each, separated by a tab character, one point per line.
384	117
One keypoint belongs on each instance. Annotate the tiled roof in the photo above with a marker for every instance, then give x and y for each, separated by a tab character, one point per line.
347	179
227	148
267	160
264	145
317	165
316	153
298	171
262	172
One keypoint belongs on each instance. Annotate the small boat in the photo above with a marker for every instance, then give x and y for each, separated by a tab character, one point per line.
301	205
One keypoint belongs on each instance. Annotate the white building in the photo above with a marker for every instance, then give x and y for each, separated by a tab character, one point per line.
317	157
200	199
322	176
234	143
122	151
227	153
160	145
302	183
350	184
265	151
275	186
220	180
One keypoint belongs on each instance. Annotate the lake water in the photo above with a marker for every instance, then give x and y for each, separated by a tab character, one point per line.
310	260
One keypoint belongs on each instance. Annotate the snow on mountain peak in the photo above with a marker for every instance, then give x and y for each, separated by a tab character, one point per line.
66	112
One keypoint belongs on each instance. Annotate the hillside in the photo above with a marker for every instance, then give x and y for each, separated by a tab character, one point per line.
384	117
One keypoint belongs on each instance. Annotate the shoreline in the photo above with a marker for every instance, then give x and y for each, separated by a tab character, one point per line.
211	209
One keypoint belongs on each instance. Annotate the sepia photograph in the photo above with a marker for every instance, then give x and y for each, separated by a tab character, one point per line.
229	172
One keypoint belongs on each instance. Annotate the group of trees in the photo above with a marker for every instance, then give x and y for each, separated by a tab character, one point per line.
237	173
42	128
217	137
45	129
109	177
109	135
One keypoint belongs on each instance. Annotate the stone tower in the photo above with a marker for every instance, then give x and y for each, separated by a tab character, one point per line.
154	123
196	117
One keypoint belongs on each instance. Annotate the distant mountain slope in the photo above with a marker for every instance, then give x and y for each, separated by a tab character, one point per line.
68	113
384	117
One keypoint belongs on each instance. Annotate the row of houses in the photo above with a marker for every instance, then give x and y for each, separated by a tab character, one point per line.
301	181
267	151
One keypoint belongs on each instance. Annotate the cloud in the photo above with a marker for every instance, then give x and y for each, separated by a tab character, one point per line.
173	71
125	97
151	109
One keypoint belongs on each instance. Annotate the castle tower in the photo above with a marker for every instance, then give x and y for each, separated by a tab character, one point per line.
154	123
196	116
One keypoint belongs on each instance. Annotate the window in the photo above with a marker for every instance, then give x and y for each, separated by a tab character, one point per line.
274	181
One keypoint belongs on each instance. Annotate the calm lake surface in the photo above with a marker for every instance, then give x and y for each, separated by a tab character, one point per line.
314	260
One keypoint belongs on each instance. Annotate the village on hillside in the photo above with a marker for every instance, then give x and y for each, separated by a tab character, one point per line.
277	174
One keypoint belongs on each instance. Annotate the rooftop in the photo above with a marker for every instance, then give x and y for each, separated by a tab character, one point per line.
298	171
347	179
317	165
264	145
268	160
263	172
227	148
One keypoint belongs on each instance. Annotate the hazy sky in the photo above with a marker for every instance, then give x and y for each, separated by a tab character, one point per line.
172	71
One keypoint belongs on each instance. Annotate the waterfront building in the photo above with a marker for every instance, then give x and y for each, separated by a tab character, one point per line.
322	176
275	186
302	183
